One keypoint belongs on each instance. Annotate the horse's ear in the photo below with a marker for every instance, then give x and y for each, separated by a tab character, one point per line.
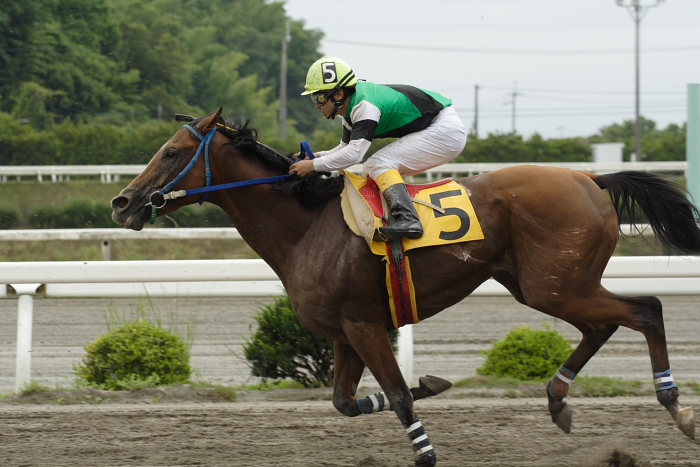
209	122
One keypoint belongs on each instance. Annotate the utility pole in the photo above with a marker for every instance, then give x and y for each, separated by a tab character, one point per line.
476	111
283	84
514	95
637	11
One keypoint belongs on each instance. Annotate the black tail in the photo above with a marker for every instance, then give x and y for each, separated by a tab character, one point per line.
672	217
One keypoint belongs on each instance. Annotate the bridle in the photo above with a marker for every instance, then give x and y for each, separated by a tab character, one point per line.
159	198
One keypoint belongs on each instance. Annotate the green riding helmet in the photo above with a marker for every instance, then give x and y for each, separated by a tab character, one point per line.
328	73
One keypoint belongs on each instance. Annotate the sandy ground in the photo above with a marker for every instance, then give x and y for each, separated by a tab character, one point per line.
301	432
465	432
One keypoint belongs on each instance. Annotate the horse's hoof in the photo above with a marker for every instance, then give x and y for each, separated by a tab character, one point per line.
428	459
434	384
685	419
563	420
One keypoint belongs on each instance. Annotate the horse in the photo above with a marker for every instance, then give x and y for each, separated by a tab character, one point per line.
549	233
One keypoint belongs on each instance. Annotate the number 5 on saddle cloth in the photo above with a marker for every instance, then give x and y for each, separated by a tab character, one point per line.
447	216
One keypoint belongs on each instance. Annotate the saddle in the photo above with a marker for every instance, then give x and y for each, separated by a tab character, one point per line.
447	216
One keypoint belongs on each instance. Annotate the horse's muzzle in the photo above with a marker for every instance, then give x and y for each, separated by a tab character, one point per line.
130	212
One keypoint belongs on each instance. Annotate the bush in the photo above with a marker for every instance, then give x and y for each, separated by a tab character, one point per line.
9	218
526	354
282	347
136	354
80	213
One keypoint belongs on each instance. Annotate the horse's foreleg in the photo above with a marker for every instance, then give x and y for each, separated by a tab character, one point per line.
348	368
372	345
347	371
593	339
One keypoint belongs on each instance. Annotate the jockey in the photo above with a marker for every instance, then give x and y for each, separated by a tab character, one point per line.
428	129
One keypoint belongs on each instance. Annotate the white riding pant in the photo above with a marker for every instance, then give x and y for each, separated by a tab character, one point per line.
417	152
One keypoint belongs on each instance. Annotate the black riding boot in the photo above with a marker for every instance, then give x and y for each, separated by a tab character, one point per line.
403	220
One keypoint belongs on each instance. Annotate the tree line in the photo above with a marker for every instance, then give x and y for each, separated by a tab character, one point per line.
97	81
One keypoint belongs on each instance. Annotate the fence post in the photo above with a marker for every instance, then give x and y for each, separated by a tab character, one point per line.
693	142
106	250
405	343
25	312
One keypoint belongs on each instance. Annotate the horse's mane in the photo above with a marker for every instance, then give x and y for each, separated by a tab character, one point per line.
311	190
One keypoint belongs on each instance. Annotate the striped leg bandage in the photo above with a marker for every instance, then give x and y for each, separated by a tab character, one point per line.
419	440
375	403
664	380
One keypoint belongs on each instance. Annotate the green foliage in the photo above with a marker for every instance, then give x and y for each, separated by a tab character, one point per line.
136	354
526	354
110	60
79	213
282	347
657	145
9	217
513	148
33	387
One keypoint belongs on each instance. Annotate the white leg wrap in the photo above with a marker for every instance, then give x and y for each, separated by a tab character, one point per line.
564	378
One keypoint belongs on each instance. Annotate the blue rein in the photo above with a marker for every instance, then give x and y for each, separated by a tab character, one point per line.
165	193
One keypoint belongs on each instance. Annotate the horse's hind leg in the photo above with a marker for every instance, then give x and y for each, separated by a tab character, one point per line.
603	312
649	320
371	345
594	336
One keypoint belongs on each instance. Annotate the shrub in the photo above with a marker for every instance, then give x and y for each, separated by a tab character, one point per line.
136	352
526	354
45	218
284	348
9	218
79	213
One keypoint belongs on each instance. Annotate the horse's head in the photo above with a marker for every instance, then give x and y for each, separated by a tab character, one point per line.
172	167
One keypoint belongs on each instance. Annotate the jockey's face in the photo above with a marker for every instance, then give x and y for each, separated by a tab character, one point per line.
324	102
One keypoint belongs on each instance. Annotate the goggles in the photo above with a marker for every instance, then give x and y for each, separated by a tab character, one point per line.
320	98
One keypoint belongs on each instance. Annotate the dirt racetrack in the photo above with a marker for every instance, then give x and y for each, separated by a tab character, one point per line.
465	432
290	429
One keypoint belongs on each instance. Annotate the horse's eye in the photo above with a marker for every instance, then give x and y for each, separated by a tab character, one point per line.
170	153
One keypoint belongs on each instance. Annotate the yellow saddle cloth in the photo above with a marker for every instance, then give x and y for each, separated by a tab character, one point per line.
444	209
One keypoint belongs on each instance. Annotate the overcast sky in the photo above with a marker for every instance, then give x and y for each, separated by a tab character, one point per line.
570	62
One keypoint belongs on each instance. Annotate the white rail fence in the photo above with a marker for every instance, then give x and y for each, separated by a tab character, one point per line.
659	275
106	236
113	173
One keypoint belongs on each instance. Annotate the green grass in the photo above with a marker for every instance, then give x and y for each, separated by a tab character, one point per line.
584	386
693	387
479	386
274	384
33	387
84	250
27	196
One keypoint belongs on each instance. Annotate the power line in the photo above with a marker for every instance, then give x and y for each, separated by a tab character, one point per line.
688	48
566	113
569	91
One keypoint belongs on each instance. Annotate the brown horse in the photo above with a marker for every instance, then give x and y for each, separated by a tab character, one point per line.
549	235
